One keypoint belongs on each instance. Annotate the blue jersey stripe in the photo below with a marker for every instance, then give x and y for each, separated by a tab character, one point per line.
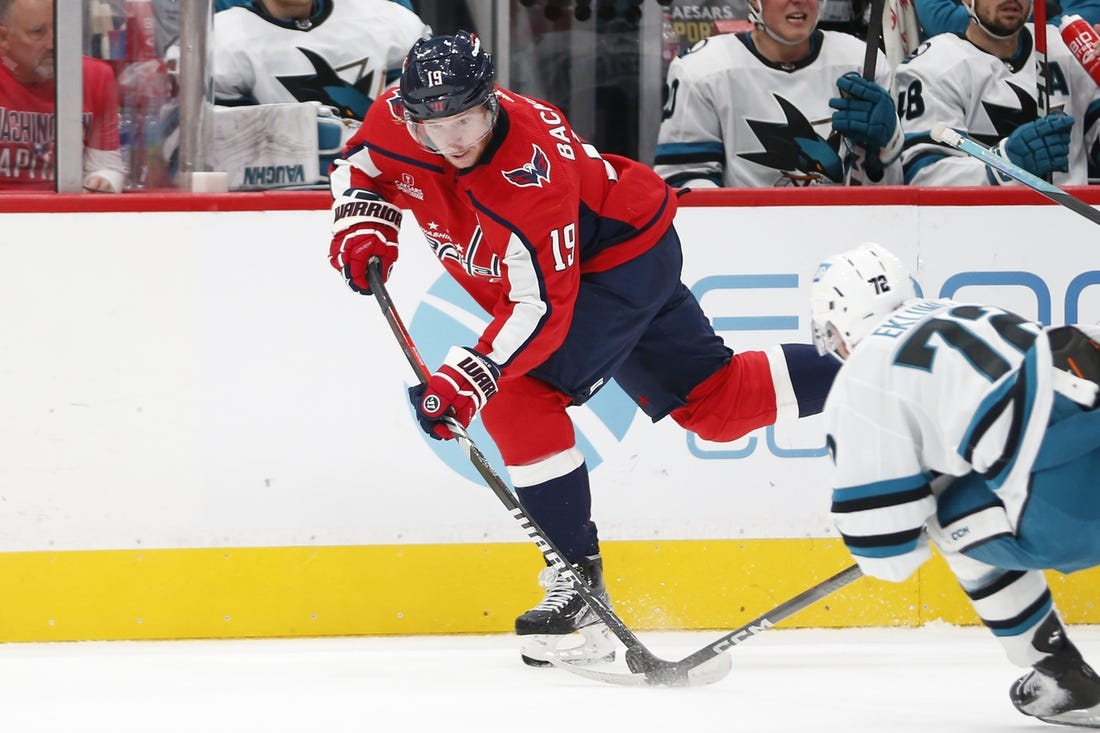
879	488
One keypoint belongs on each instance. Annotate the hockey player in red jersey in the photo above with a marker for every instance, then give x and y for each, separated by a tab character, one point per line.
574	256
27	129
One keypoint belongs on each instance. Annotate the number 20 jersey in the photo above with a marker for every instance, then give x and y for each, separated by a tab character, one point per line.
937	387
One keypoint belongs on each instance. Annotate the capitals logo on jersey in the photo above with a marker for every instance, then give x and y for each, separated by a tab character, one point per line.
795	149
326	86
534	173
445	248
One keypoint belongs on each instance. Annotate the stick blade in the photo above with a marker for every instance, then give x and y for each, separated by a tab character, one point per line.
631	679
667	674
678	675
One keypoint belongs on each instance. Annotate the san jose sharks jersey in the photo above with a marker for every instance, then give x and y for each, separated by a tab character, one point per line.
949	79
343	56
938	387
733	118
516	230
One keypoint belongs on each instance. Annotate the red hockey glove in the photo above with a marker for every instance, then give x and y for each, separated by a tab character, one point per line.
364	226
460	387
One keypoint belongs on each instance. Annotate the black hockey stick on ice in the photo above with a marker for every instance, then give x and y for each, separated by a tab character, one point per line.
715	649
639	659
941	133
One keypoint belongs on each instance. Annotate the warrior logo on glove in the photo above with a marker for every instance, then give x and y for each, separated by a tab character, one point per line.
431	404
460	388
365	227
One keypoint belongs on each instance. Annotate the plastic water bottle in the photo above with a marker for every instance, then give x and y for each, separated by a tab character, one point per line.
155	171
1083	43
127	138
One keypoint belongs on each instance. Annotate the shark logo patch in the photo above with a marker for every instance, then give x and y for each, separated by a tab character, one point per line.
795	148
326	86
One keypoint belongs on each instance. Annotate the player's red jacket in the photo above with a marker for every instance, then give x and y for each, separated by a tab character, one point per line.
28	142
518	229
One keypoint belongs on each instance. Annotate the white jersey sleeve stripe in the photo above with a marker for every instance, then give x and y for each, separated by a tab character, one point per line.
530	307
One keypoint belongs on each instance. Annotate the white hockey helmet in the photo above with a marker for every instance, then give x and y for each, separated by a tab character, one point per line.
853	291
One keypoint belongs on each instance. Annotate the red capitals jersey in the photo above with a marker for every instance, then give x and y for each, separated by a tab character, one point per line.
517	229
28	131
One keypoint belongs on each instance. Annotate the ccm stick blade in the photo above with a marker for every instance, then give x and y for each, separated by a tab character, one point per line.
703	666
663	674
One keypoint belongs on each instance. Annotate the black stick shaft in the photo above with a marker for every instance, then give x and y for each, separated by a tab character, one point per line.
761	623
874	33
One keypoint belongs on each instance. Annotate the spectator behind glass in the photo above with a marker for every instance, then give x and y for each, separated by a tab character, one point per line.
28	143
756	109
983	85
341	53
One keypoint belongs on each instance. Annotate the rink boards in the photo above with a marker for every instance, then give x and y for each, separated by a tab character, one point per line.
206	435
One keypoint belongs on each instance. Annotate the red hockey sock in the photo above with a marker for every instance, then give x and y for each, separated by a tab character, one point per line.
735	400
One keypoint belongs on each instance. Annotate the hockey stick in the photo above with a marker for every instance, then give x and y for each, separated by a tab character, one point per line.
639	659
1042	70
726	641
874	33
870	62
941	133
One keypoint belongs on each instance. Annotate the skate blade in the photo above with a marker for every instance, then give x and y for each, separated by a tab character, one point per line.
668	674
1088	718
595	646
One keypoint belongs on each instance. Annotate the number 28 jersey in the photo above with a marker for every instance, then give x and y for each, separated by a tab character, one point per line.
938	387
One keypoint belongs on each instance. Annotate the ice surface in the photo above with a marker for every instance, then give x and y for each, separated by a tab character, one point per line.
937	679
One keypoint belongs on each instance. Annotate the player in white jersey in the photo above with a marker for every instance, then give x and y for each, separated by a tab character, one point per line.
973	427
983	84
781	105
341	53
